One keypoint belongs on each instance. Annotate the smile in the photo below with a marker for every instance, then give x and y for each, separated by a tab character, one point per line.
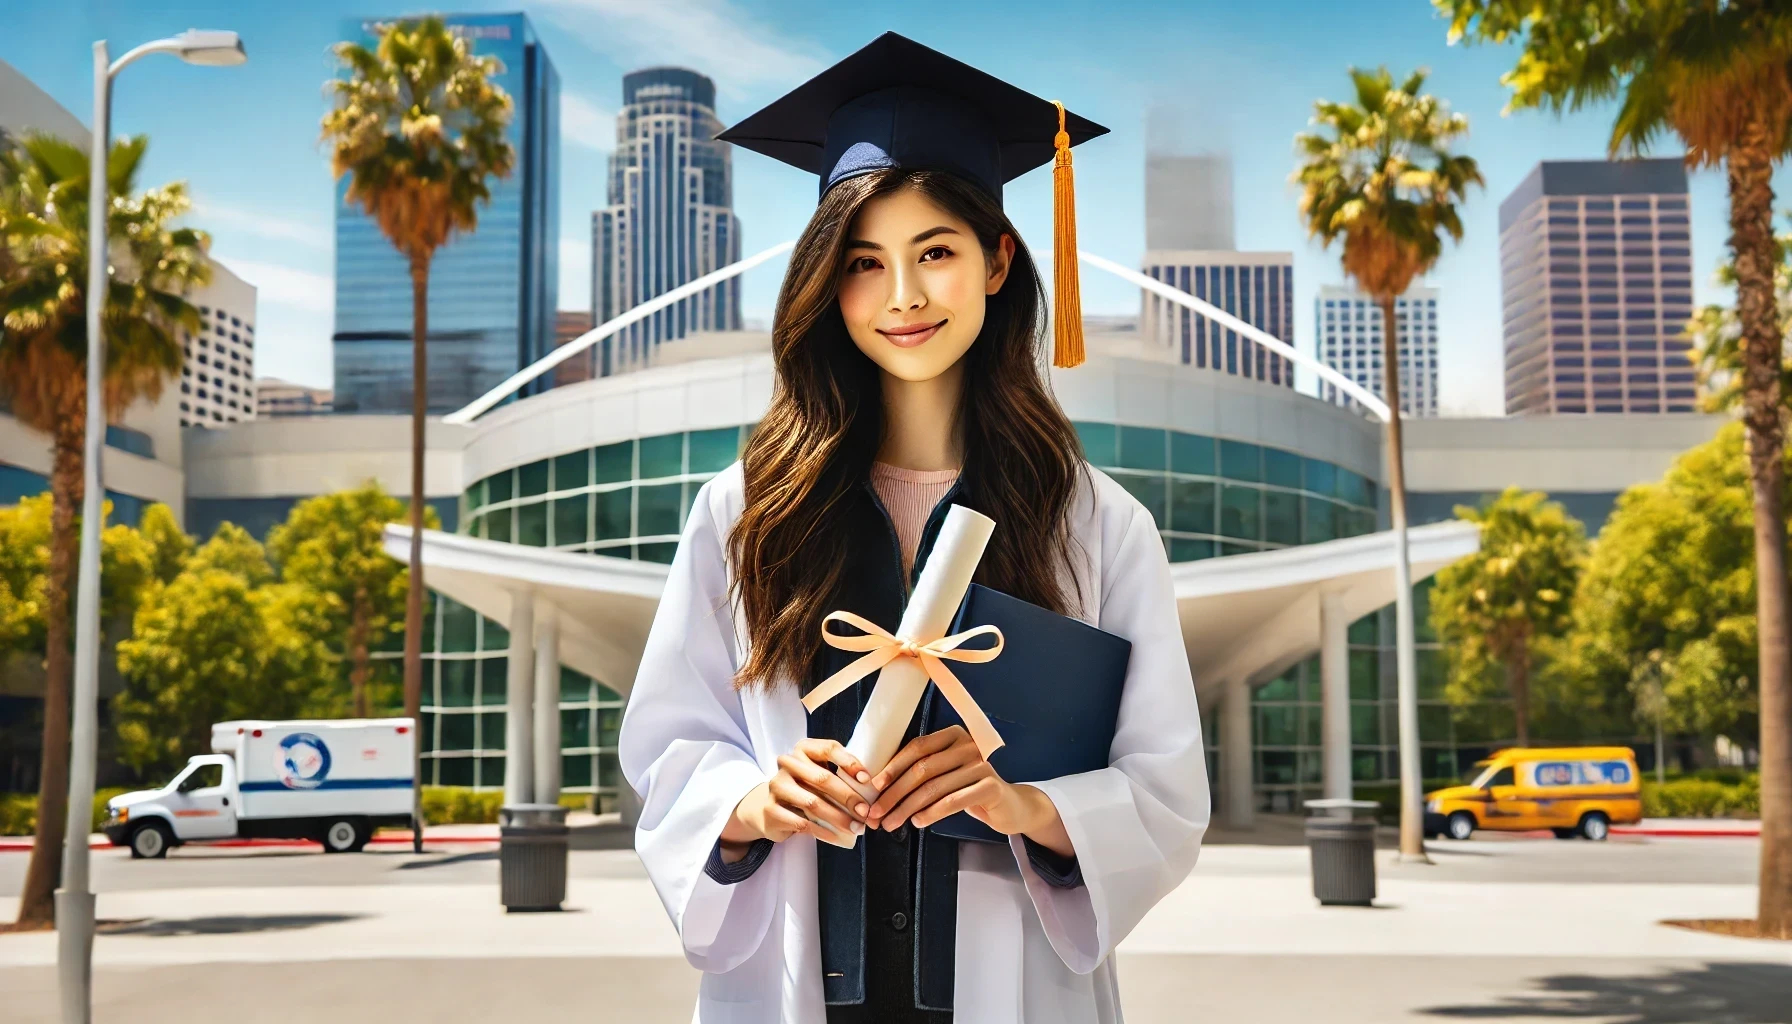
912	334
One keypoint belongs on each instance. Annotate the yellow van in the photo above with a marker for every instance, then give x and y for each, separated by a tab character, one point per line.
1572	791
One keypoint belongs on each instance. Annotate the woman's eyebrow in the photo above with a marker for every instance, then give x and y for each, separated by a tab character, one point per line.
860	243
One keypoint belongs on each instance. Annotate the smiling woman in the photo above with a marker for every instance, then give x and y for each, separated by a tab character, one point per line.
907	351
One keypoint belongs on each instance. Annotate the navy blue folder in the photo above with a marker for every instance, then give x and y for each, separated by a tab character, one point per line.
1053	695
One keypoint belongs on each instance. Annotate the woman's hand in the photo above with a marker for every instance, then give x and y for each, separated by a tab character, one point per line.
939	774
805	785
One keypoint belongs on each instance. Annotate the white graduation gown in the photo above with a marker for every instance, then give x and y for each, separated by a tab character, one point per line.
1027	953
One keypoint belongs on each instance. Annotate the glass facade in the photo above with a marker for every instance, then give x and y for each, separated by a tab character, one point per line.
492	293
1210	496
1258	288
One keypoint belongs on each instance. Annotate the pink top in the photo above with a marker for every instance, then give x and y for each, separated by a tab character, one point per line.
909	495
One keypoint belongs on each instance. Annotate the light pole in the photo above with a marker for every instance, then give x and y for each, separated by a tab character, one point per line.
74	900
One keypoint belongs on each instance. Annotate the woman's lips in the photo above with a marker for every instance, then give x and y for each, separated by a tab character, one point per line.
913	335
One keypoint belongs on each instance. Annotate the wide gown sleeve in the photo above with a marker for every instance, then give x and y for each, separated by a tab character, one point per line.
1137	824
684	747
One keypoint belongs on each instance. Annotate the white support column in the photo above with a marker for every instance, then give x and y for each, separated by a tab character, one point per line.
1334	672
1239	804
519	718
547	705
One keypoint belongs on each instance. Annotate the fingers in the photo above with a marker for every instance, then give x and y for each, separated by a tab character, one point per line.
819	780
923	771
913	751
972	797
781	823
934	790
823	751
793	795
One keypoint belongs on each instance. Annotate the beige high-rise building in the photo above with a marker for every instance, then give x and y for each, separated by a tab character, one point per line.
1596	283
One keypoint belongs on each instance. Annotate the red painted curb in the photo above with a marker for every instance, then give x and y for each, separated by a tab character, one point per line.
1688	833
25	846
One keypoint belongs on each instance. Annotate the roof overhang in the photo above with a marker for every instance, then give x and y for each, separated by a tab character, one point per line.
1243	617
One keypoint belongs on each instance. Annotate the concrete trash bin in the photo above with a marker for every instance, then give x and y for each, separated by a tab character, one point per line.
1343	851
533	841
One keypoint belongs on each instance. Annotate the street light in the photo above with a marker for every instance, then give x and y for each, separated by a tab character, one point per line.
74	900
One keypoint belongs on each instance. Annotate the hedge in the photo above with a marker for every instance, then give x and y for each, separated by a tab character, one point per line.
1703	798
442	805
18	811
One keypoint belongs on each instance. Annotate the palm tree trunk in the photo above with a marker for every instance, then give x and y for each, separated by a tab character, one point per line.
1518	683
357	652
1751	239
44	872
1412	790
413	601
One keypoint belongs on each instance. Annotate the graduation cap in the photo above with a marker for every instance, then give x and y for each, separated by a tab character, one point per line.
896	103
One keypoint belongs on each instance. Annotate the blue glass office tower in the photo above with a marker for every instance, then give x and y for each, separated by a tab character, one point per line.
1256	287
492	294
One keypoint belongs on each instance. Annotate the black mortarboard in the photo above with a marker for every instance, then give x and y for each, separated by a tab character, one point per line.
896	103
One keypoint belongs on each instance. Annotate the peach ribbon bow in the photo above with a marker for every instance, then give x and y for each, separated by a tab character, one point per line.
885	647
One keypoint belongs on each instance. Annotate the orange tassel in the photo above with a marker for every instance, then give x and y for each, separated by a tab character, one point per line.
1067	292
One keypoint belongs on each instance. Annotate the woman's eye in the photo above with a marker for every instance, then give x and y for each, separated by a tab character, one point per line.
861	264
938	252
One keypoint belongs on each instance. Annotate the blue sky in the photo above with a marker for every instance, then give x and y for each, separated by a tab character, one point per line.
1239	77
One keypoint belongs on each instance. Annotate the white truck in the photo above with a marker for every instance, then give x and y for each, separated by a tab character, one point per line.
333	782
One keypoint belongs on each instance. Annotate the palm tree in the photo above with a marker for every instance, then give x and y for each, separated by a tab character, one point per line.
1719	76
1379	175
418	126
43	376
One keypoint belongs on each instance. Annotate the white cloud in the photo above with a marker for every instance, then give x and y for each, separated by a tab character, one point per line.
714	37
584	123
287	286
213	216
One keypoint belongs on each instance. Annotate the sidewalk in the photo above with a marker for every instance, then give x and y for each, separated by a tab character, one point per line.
439	835
1690	827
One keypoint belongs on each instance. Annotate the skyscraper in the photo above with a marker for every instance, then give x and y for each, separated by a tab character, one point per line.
670	219
217	375
1188	202
492	293
1350	341
1596	282
1256	287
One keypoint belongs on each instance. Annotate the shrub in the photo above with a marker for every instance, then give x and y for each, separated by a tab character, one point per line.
1703	798
18	811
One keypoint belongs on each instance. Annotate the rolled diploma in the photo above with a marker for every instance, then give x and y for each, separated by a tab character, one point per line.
900	684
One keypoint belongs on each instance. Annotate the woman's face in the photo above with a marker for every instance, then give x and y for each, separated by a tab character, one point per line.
915	284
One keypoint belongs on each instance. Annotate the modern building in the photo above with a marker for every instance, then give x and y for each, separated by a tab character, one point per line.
1349	328
217	375
492	293
670	219
1268	501
276	397
142	462
1188	202
1596	283
569	325
1256	287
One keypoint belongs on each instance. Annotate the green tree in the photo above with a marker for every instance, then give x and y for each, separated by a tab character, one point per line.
169	545
332	545
232	549
43	354
1379	176
1493	610
1668	598
418	128
1719	76
1717	337
210	647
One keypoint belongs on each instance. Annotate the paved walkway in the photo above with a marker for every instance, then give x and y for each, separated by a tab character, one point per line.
1241	940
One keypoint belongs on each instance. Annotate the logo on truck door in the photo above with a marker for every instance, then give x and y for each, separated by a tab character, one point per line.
302	762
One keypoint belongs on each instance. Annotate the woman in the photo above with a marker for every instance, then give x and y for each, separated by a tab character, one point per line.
907	380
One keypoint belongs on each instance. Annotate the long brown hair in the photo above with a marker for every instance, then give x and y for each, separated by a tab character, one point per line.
826	422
